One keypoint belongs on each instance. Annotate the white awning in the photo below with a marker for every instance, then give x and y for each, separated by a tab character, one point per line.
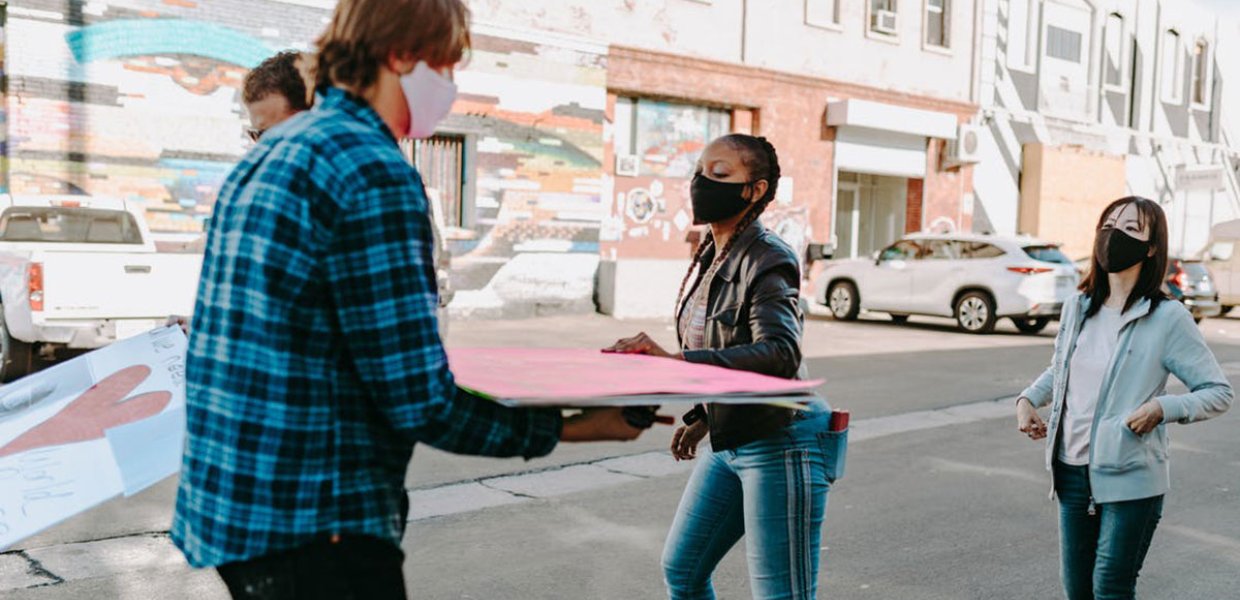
889	117
880	153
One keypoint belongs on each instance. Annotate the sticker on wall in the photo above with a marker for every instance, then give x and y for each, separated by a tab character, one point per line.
656	189
641	206
942	225
783	194
682	220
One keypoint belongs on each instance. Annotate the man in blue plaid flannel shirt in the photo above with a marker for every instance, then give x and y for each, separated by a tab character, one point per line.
315	363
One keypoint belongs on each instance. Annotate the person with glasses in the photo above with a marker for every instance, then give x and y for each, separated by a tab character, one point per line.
273	92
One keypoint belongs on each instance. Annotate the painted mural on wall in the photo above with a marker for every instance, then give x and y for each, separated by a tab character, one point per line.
534	111
658	144
138	99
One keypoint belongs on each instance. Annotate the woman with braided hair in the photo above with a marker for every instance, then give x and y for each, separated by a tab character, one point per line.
769	468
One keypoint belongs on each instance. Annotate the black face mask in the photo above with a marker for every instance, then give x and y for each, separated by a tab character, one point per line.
715	201
1117	251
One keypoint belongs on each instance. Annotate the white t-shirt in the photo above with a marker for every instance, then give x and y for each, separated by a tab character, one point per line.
1094	348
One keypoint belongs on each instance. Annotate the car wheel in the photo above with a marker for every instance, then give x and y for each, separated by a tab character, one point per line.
1031	325
975	313
16	356
1226	311
843	301
899	319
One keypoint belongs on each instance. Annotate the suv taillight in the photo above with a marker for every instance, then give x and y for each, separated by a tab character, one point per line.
34	286
1030	270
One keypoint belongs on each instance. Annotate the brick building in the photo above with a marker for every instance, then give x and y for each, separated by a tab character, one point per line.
562	173
861	99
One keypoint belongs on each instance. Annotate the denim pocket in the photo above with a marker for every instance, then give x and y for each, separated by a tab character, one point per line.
834	445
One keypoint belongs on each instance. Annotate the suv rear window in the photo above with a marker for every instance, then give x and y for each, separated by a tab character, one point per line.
1050	254
65	225
980	250
1196	269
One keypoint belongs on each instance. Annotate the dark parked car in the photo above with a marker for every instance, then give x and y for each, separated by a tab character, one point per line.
1190	282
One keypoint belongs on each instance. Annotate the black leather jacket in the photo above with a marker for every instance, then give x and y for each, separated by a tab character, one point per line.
753	323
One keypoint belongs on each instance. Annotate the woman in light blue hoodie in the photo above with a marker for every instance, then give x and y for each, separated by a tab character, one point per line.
1118	342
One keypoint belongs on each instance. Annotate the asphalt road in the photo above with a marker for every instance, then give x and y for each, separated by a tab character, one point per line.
954	513
957	511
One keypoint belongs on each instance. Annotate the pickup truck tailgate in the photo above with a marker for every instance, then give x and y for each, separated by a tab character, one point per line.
114	285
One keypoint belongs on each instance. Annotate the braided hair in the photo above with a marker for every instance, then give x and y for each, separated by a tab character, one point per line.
758	156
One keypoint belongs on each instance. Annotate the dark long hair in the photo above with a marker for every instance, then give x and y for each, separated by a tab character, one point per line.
758	156
1097	286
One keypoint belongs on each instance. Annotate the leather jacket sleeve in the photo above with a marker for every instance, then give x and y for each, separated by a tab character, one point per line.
774	324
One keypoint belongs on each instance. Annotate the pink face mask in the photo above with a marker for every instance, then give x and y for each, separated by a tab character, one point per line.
429	96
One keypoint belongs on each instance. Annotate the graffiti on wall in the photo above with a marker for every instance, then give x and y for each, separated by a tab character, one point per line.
534	113
137	99
650	215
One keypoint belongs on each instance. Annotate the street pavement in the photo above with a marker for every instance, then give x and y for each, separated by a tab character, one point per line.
942	498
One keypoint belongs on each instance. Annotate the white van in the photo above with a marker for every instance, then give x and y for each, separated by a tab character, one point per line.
1224	262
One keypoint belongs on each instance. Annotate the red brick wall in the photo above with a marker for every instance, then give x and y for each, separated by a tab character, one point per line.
946	186
912	209
790	111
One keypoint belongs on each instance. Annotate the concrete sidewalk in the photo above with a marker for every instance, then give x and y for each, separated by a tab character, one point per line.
146	564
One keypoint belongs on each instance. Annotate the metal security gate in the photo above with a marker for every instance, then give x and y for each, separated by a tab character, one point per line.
441	161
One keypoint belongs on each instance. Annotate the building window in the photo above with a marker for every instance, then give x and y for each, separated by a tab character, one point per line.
1022	25
1201	73
1172	70
665	138
1113	52
938	26
1063	44
938	23
823	13
883	17
441	162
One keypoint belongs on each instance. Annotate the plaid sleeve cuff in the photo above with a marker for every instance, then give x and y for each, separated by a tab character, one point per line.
545	427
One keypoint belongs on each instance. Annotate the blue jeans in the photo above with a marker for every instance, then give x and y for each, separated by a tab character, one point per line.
774	492
1102	553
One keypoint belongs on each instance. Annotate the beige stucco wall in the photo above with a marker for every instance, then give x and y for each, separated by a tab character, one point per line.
1063	191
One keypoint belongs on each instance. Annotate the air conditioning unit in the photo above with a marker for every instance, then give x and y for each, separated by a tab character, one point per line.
966	148
883	21
627	165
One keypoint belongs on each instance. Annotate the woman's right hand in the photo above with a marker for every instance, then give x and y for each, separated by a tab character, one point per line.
1028	421
686	439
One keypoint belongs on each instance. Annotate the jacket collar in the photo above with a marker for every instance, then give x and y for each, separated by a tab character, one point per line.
1138	310
334	98
732	263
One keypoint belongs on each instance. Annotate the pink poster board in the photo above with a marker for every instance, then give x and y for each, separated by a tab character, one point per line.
529	376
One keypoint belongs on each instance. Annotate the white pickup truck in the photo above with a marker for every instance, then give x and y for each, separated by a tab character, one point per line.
80	272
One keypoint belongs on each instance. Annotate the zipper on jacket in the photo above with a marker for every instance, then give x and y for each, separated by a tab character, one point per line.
1117	360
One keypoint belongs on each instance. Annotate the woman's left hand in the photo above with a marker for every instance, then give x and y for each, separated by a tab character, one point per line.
1146	418
641	344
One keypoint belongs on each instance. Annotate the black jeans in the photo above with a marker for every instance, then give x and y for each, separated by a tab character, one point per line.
344	568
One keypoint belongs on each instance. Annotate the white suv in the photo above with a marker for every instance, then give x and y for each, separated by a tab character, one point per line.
977	279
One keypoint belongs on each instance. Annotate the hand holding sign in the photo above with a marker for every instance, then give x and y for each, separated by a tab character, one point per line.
98	409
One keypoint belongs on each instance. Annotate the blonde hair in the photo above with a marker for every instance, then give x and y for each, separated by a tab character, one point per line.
362	35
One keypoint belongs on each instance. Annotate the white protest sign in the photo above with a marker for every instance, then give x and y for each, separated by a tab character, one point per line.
106	423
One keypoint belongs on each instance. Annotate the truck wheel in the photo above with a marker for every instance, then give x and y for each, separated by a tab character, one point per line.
843	301
975	313
16	356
